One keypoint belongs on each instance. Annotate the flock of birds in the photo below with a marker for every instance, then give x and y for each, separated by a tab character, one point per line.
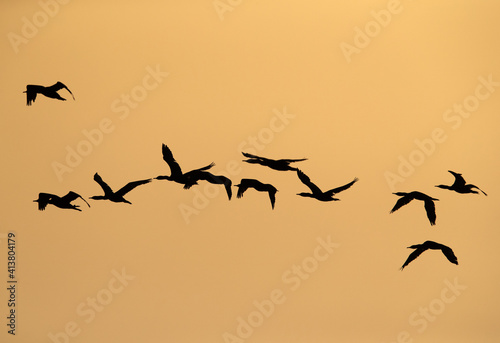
192	178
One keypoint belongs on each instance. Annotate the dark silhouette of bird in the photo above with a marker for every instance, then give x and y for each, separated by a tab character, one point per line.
317	193
176	173
50	92
283	164
460	186
259	186
420	248
429	206
62	202
118	195
194	176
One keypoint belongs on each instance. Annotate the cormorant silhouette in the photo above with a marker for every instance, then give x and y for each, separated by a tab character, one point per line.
259	186
118	195
317	193
430	209
420	248
196	175
50	92
283	164
62	202
176	173
460	186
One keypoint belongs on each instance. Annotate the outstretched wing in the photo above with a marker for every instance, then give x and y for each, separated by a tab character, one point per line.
272	197
246	154
307	181
342	188
459	180
413	256
200	169
401	202
175	169
73	196
430	209
289	160
43	200
242	187
59	85
131	185
107	190
449	254
31	92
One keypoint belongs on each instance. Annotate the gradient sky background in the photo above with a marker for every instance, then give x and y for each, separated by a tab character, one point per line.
229	74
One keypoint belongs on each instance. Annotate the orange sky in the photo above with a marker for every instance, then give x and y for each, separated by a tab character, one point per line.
395	93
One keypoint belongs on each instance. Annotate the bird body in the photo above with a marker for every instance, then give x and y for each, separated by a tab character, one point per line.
460	186
196	175
428	203
188	179
50	92
62	202
282	164
259	186
317	193
420	248
118	195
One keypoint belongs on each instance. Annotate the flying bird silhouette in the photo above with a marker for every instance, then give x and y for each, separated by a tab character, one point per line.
420	248
118	195
62	202
460	186
317	193
194	176
50	92
283	164
176	173
259	186
429	206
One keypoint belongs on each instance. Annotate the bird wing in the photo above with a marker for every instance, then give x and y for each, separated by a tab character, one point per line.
476	187
272	197
175	169
342	188
107	190
413	256
289	160
307	181
401	202
43	200
31	92
227	185
59	85
73	196
449	254
430	208
131	185
201	169
246	154
459	180
242	187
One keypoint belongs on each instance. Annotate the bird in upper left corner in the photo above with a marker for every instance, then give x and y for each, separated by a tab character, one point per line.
50	92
